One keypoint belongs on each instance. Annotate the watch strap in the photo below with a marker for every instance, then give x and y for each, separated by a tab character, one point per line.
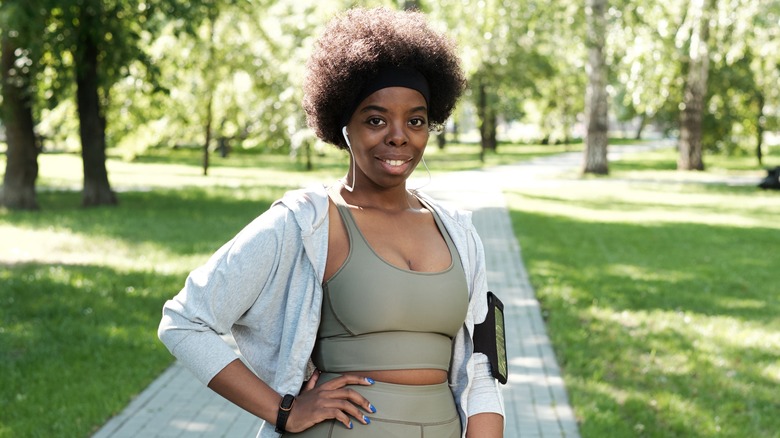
284	412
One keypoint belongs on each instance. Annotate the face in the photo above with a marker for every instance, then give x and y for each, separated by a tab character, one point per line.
388	133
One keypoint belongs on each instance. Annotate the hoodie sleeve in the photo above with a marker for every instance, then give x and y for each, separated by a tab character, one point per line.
484	394
218	293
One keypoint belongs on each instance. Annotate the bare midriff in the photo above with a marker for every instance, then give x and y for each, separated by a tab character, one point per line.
425	376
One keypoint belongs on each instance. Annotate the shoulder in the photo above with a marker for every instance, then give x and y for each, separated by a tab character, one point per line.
309	207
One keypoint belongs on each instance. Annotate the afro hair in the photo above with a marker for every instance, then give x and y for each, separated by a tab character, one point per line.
356	45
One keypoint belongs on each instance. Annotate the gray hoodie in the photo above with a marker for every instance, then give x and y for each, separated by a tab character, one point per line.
265	287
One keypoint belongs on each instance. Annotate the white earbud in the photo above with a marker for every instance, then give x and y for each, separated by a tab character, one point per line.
349	146
346	135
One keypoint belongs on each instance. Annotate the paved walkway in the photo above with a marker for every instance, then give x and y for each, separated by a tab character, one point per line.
177	405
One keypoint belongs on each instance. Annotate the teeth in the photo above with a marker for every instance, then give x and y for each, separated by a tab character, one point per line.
394	162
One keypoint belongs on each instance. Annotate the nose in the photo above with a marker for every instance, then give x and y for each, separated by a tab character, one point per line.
396	135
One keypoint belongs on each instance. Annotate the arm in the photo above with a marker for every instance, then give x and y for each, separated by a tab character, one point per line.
487	425
227	289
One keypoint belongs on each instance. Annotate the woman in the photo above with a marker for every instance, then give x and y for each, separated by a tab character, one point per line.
376	286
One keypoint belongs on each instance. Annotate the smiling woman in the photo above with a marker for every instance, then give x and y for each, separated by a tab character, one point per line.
366	291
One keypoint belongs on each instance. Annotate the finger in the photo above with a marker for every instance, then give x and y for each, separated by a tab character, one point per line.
351	401
342	418
312	381
354	396
347	379
347	410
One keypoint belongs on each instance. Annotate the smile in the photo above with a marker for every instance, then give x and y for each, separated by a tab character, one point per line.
394	163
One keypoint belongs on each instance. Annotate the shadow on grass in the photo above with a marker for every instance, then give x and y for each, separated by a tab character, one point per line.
659	328
186	221
78	342
757	211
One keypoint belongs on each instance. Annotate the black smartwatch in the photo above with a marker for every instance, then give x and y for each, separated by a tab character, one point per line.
284	411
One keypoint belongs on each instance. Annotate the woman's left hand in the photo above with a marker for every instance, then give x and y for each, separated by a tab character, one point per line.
331	400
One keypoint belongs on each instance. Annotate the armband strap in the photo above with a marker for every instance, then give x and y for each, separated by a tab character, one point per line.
489	338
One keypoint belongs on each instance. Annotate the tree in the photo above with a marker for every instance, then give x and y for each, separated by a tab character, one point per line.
646	63
19	63
502	61
596	121
99	41
22	165
92	127
743	97
690	143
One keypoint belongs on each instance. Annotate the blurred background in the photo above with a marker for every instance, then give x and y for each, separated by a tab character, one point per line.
126	76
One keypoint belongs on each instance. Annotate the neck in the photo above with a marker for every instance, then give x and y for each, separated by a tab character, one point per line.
388	199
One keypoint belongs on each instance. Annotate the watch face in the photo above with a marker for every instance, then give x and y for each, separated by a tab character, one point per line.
287	401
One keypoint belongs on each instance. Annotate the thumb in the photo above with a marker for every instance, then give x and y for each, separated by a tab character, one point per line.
312	381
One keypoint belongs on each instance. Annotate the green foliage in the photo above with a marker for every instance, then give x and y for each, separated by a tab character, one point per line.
659	294
162	68
645	56
745	71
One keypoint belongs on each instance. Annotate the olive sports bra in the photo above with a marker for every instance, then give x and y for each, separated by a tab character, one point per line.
376	316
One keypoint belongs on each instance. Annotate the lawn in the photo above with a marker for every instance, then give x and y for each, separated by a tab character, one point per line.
665	328
661	296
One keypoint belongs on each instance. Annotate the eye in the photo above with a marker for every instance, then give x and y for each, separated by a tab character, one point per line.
375	121
417	122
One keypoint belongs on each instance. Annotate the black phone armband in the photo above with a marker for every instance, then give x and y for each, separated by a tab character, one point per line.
489	338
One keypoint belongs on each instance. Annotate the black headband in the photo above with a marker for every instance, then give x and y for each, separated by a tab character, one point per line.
390	76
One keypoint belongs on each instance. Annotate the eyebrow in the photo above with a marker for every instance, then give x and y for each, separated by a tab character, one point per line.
381	109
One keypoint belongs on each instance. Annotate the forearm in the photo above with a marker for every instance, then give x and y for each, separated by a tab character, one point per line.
485	425
242	387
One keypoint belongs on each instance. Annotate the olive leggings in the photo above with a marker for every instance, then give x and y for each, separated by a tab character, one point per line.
402	411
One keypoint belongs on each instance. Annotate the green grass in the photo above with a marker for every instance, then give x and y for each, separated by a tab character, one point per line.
661	295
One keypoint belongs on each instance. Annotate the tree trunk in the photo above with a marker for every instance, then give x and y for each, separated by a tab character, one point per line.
641	127
209	75
481	115
760	129
21	167
97	190
207	140
487	122
455	132
441	140
597	123
690	144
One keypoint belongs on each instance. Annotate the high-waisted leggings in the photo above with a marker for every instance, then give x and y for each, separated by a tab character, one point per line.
405	411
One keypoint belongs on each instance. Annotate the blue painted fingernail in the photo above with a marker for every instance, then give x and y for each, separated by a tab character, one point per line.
371	408
366	420
350	425
370	380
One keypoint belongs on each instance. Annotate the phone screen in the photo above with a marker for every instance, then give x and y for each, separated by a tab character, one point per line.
501	344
